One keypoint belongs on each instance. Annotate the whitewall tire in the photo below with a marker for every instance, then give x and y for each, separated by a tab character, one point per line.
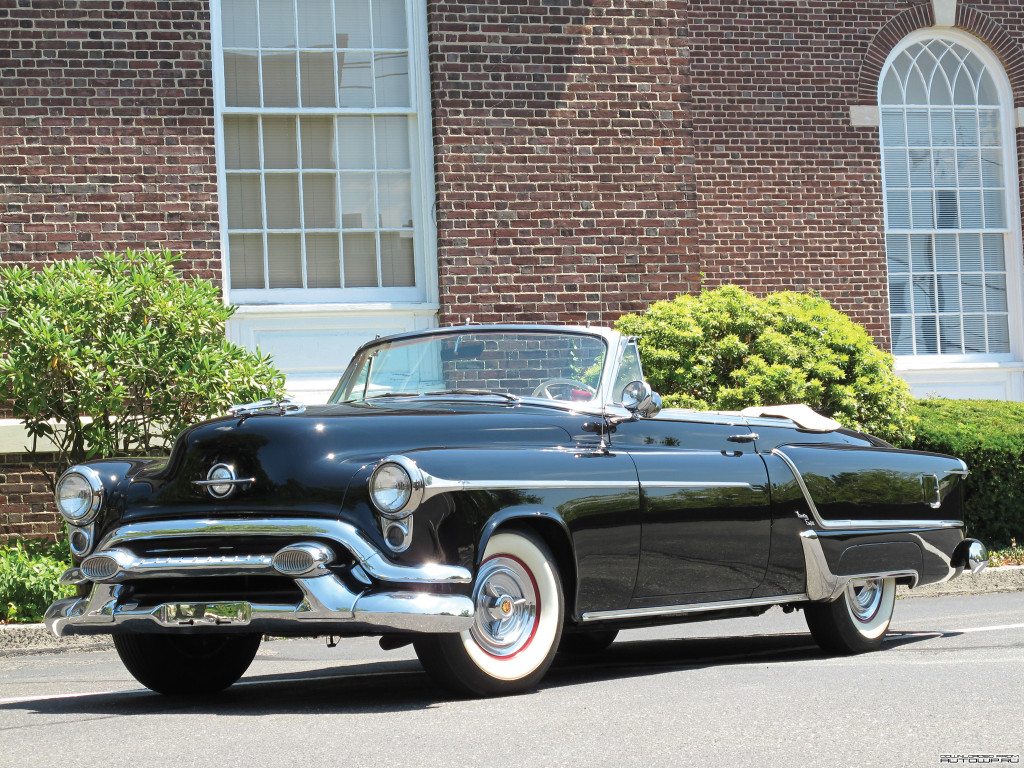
519	608
856	622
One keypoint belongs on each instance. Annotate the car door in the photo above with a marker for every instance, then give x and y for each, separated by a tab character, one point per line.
705	509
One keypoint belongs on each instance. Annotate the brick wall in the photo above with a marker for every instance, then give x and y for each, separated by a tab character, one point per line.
789	195
26	501
563	157
106	131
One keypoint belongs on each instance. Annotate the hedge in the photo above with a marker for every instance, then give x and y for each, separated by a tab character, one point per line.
115	355
989	436
29	571
726	349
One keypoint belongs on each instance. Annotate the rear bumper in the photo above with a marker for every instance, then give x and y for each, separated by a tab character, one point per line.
833	559
420	601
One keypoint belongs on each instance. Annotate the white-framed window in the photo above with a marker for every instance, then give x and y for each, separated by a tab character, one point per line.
324	151
952	216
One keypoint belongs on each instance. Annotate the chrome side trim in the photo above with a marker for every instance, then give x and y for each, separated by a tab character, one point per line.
695	484
831	525
825	586
426	486
350	537
676	610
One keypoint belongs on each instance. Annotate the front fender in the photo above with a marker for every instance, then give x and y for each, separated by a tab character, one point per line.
585	504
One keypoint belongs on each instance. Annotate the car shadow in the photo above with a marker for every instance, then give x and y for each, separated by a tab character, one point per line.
403	686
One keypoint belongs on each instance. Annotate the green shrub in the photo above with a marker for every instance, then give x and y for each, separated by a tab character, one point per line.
29	571
117	354
726	349
989	436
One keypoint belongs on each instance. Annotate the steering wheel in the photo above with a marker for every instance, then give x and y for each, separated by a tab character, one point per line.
545	389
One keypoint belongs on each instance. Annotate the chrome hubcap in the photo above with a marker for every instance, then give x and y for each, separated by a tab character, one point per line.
506	607
864	598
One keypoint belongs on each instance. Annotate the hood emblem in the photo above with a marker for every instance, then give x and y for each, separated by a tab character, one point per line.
221	481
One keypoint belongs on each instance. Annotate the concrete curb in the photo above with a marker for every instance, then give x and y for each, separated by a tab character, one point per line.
19	639
1005	578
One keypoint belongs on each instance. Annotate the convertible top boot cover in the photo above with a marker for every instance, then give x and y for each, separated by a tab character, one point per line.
799	414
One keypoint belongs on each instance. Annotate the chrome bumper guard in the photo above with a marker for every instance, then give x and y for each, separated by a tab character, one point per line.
327	603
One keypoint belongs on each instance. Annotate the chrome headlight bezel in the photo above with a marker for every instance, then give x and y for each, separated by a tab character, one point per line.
409	502
92	478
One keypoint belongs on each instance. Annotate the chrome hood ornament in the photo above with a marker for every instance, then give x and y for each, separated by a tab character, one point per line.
285	406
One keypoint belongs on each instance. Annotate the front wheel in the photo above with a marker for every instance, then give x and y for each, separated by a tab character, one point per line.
857	621
518	597
186	664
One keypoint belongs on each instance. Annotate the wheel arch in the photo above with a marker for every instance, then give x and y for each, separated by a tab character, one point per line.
551	528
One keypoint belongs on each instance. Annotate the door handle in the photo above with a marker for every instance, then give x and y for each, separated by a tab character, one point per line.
749	437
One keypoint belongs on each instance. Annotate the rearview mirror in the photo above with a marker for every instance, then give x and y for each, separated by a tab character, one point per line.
462	350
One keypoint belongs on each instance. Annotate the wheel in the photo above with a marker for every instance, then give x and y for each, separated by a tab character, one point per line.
187	664
518	597
586	643
856	622
552	388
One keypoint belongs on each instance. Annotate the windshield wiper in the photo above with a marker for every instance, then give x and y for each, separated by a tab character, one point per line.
507	395
393	394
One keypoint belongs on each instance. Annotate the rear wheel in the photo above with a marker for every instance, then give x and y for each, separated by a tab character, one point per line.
518	597
857	621
187	664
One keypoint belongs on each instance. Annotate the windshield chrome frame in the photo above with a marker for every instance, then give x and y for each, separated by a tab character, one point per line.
614	341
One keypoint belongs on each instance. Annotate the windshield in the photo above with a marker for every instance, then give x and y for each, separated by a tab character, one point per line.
546	364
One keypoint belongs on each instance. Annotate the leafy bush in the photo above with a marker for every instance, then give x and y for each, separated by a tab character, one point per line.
29	571
989	436
726	349
117	354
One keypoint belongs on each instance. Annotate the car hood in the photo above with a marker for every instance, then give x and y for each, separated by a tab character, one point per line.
303	464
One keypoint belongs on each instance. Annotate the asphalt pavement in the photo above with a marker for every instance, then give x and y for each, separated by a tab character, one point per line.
947	687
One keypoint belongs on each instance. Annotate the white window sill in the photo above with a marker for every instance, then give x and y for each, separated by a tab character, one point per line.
14	438
362	307
933	364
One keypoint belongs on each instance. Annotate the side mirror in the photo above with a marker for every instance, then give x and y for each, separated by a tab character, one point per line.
639	399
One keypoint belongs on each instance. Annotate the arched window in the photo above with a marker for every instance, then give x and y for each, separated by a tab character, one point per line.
951	211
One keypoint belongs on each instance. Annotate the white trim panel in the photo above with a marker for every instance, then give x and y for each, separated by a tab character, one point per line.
313	348
945	13
968	382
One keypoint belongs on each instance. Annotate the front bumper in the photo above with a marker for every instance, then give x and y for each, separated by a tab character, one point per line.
408	603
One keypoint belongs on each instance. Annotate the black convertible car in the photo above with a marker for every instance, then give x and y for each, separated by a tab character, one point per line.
492	495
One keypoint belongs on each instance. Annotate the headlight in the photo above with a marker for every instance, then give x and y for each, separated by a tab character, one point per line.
79	495
396	487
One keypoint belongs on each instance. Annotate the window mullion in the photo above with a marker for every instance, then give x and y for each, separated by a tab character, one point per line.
263	205
302	201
